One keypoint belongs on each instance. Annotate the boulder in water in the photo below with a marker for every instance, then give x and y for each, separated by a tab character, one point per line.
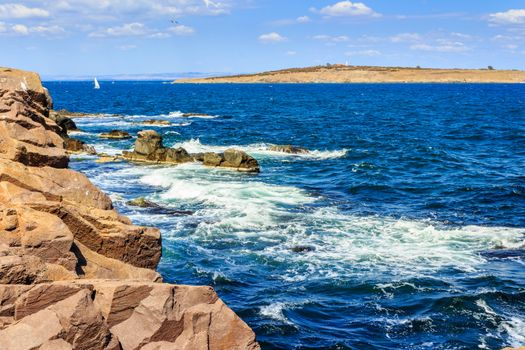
232	158
155	122
115	134
76	146
302	249
149	148
288	149
142	203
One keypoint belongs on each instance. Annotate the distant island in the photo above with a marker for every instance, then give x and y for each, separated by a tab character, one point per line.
339	73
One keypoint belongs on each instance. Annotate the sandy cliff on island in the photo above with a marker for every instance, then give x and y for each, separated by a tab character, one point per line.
362	74
74	274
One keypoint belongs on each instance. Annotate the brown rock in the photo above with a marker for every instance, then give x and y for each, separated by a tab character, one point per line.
115	134
232	158
58	231
149	148
76	146
155	122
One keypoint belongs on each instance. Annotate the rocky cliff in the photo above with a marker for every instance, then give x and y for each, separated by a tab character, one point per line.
74	274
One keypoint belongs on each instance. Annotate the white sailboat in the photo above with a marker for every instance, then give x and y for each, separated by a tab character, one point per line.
97	85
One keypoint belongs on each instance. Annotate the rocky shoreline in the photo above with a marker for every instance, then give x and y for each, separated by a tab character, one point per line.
74	273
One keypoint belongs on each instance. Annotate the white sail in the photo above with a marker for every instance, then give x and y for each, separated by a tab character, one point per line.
97	85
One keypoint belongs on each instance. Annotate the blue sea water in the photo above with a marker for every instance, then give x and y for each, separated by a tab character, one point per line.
412	203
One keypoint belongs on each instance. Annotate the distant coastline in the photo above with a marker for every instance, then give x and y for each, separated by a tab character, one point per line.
368	74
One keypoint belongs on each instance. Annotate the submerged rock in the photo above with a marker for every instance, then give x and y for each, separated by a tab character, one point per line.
115	134
155	122
302	249
187	115
288	149
142	203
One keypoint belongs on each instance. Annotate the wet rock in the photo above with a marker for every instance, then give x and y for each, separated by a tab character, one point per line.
302	249
232	158
142	203
105	158
288	149
155	122
149	148
187	115
65	122
77	146
116	135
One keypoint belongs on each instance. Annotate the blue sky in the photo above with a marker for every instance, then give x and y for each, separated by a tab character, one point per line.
96	37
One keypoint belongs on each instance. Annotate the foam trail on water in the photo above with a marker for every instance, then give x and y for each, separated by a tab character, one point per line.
258	149
342	243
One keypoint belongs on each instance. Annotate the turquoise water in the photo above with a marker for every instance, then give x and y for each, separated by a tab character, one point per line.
411	204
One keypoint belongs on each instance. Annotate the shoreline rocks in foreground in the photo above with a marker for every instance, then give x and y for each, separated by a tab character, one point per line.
150	149
74	273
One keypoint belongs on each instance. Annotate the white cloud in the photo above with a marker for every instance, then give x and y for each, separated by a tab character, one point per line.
368	53
335	39
181	30
21	11
405	37
442	46
303	19
139	29
127	47
54	29
291	53
140	8
508	17
129	29
348	8
20	29
272	38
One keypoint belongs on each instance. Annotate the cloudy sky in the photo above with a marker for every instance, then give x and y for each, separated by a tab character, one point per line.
96	37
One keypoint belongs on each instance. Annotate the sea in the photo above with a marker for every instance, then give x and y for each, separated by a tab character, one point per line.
403	228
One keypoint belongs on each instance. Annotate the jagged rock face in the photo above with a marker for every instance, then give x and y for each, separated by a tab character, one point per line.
28	136
127	315
74	274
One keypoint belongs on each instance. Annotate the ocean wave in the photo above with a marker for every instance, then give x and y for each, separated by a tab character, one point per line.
259	149
342	244
510	327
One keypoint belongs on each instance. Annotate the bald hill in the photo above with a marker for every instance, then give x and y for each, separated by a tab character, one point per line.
368	74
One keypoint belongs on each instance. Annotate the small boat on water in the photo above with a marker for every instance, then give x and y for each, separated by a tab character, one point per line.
97	85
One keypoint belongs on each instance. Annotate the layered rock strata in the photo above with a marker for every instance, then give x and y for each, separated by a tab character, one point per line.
74	273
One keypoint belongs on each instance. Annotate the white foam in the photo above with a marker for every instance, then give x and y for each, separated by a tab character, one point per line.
259	150
242	207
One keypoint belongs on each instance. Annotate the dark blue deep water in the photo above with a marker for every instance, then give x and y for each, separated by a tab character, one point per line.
412	204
